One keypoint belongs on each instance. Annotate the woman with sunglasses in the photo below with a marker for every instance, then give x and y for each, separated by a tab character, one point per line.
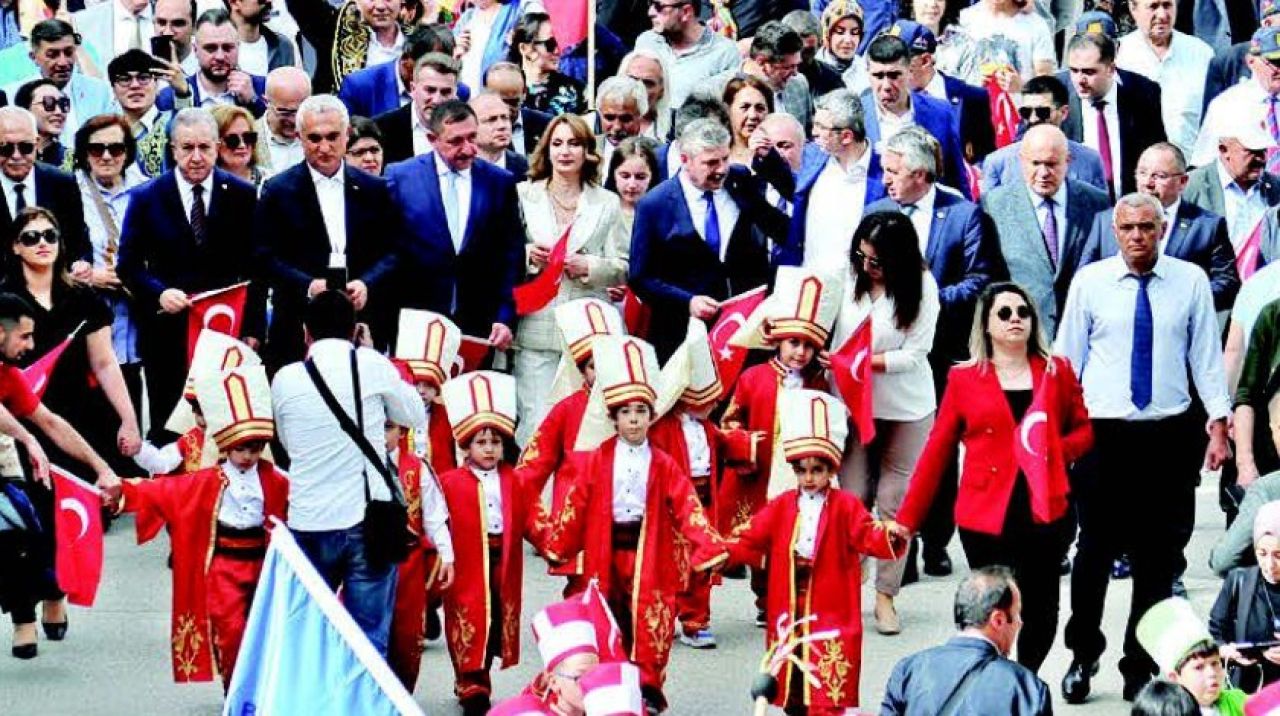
535	49
893	288
241	150
1011	405
842	29
50	107
60	307
364	147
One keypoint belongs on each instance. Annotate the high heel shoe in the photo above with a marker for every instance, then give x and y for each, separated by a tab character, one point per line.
24	651
55	631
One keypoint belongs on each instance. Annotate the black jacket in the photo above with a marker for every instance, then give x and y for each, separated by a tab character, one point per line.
1140	127
1241	613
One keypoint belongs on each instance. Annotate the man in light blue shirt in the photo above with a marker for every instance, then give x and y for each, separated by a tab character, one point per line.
1135	325
54	44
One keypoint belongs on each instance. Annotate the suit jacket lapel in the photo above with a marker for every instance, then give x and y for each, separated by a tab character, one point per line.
1034	235
1178	234
173	198
1075	230
479	200
682	220
433	213
1073	127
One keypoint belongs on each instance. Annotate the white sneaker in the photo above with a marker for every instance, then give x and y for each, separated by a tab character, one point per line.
704	639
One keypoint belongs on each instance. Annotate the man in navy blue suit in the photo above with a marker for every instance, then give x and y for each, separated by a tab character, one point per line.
1191	233
700	237
323	219
463	243
184	233
25	182
219	81
971	105
889	105
379	89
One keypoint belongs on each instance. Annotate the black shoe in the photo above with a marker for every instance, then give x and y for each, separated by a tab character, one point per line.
24	651
762	619
433	624
654	702
1075	685
910	573
55	631
936	563
1133	685
735	572
475	705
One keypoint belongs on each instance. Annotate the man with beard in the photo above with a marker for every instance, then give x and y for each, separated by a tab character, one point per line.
694	51
261	48
133	80
404	129
287	87
620	104
493	136
219	81
54	44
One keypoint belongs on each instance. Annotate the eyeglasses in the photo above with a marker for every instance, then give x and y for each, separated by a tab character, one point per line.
33	237
1041	113
50	104
868	261
549	44
24	148
98	150
233	141
1006	312
141	79
316	138
1158	176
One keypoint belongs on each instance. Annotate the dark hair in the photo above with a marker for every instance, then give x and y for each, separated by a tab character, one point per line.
330	314
615	409
1105	46
502	67
80	157
26	94
889	50
983	592
1050	85
774	40
735	85
525	31
428	38
1164	698
893	236
51	31
13	266
644	147
14	308
1179	158
454	110
699	106
510	450
540	158
438	61
1203	650
950	15
364	128
216	17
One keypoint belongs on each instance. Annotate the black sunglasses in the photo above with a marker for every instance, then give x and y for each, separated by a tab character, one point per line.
869	261
49	104
331	137
97	150
549	44
1041	113
233	141
1006	312
24	148
33	237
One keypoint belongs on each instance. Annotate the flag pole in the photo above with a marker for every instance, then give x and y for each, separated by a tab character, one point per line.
591	55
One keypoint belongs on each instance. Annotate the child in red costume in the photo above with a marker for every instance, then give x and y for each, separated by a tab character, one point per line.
490	515
814	538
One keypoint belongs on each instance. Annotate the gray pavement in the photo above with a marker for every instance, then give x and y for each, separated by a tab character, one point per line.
115	659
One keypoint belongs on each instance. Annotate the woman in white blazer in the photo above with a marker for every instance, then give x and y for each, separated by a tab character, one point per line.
563	191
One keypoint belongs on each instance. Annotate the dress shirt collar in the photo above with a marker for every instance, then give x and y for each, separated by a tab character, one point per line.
818	497
329	346
403	92
1170	218
322	180
1110	97
1121	272
1059	197
184	186
937	86
443	169
857	172
235	474
396	46
148	120
482	474
904	118
1227	182
692	193
924	205
28	185
630	450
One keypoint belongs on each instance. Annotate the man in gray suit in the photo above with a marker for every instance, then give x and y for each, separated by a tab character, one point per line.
1044	223
1241	170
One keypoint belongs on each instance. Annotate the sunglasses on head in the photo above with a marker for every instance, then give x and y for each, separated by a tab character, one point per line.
233	141
33	237
869	261
1006	312
24	148
98	150
1040	113
549	44
49	104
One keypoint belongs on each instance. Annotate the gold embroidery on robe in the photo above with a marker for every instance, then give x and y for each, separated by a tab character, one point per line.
833	669
660	623
461	633
186	644
530	453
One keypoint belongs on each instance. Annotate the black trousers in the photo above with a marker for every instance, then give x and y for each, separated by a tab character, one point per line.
164	356
1135	495
26	562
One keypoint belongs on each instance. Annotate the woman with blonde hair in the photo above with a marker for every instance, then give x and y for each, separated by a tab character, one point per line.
563	193
241	150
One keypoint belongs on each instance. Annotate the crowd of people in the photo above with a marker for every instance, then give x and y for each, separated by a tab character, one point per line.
1018	262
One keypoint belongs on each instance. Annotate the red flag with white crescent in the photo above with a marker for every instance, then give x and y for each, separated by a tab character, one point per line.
472	353
535	294
221	310
608	635
851	368
635	315
733	316
1037	449
77	527
37	374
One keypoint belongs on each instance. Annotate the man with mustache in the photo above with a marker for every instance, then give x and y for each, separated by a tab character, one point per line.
621	103
220	79
261	48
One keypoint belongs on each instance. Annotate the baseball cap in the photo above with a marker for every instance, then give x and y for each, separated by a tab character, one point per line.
1096	22
918	37
1266	43
1254	136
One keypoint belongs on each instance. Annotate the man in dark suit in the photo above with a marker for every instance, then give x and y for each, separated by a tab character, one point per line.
1123	106
1218	22
890	105
404	130
527	125
185	233
971	105
463	241
322	221
217	48
1193	234
972	671
384	87
699	238
1043	224
26	182
494	136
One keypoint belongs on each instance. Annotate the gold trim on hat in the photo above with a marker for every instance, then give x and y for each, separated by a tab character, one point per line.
476	422
810	446
623	393
251	429
798	328
426	370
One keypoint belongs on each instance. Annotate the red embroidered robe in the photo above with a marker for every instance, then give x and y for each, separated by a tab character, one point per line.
190	446
408	618
189	504
550	451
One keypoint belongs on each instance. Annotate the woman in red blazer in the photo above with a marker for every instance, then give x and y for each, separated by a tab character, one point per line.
1020	415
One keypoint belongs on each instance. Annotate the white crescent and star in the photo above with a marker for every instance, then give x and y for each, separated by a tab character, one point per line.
76	506
1028	424
220	309
733	322
855	368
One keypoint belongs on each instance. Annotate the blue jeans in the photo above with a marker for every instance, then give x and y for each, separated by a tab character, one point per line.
368	590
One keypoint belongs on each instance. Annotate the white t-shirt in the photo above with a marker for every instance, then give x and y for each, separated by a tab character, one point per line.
253	57
1028	31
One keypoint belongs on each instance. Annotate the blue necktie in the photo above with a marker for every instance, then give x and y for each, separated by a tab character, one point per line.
711	229
1140	361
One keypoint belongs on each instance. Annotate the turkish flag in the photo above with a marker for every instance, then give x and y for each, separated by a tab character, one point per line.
635	315
727	345
1038	452
38	374
77	527
568	21
472	353
1264	703
608	635
221	310
851	367
1004	112
534	295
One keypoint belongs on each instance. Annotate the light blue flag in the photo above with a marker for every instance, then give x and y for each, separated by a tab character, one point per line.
303	653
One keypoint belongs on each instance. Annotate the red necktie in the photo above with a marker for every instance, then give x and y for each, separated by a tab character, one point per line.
1104	143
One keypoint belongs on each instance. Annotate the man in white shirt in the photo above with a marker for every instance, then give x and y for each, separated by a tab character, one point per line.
287	87
1006	20
1170	59
173	18
261	48
830	208
329	473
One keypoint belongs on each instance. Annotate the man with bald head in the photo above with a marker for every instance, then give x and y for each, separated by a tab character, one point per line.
25	182
1043	222
287	87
